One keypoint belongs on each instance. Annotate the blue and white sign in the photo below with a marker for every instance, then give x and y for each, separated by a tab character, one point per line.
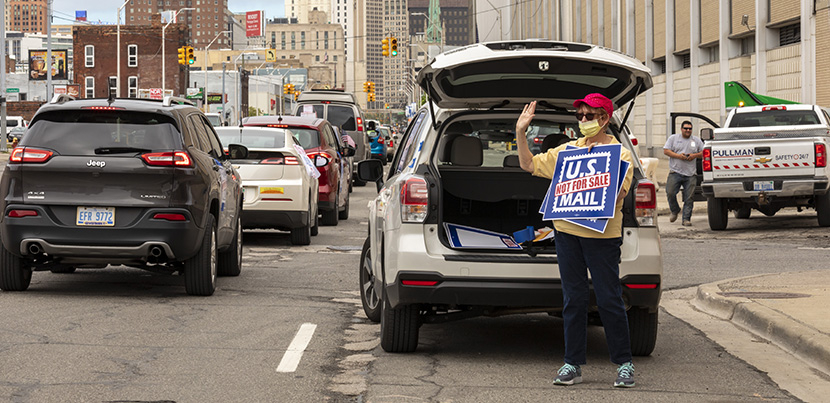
584	185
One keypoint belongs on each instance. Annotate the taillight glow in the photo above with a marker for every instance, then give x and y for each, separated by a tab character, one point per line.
170	216
641	286
634	141
23	213
707	160
414	200
103	108
537	140
421	283
174	158
29	155
821	155
288	160
774	108
281	126
359	124
380	139
645	204
320	162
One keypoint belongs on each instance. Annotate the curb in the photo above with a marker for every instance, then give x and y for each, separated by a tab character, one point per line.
802	341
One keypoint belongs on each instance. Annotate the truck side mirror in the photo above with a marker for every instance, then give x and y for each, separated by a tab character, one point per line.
707	133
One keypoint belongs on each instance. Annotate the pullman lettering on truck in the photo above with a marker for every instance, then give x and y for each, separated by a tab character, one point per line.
747	152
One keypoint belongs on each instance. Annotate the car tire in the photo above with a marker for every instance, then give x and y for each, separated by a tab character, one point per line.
743	213
368	293
718	218
330	217
399	327
823	209
642	328
14	275
302	235
315	228
344	214
230	261
200	270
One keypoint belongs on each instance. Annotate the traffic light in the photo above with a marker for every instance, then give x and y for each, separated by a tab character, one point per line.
371	87
385	46
394	43
182	52
371	97
296	95
286	88
366	86
191	58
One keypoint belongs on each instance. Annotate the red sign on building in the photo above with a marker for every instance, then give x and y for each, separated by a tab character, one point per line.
156	93
254	23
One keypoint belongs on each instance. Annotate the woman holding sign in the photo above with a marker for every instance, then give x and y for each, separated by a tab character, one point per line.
580	249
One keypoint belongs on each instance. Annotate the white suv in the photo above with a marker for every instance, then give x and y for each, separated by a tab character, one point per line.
456	164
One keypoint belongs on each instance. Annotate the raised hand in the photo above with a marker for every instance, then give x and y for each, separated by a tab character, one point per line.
526	117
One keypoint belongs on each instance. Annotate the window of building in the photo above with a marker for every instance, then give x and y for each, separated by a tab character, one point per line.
132	56
113	85
302	40
747	45
89	56
789	34
282	40
293	41
710	54
89	87
686	60
132	85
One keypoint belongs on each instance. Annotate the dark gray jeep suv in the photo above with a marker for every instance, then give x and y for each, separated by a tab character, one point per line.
135	182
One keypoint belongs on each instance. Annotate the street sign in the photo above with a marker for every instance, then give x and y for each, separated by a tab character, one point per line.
12	90
271	55
156	93
194	93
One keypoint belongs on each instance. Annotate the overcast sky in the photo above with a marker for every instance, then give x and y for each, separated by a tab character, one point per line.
64	10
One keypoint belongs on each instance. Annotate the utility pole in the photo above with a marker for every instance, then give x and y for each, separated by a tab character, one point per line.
48	51
3	81
224	102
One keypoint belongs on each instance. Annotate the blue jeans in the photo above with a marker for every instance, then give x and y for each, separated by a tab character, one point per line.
577	255
673	184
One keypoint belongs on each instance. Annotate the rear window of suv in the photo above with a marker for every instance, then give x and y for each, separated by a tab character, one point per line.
81	132
254	137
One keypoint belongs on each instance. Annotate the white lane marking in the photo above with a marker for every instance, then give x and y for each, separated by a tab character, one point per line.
292	356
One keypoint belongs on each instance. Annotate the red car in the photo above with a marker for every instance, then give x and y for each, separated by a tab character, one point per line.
319	137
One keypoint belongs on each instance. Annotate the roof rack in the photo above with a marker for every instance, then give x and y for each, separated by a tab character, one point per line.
61	98
168	100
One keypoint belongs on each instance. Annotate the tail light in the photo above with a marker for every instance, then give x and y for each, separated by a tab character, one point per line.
707	159
103	108
320	162
167	159
646	204
25	155
537	140
634	141
774	108
380	139
821	155
359	124
170	216
414	200
23	213
287	160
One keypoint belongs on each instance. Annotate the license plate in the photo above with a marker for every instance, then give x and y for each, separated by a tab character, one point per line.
95	216
764	185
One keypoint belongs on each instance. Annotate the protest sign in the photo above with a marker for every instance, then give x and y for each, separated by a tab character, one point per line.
584	185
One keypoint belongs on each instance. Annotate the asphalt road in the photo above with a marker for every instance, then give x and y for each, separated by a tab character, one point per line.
126	335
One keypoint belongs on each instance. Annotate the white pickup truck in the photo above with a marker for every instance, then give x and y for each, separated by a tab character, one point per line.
766	158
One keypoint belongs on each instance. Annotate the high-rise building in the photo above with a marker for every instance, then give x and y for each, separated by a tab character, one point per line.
26	15
209	18
396	90
457	20
299	9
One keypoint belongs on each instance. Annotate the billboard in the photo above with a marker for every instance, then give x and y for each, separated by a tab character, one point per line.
254	23
38	65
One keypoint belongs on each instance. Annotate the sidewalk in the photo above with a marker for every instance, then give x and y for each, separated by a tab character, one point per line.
788	309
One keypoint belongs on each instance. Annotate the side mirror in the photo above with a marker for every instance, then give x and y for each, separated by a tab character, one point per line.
237	152
348	150
707	134
370	170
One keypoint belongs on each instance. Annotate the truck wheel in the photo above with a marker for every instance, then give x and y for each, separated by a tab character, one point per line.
399	327
718	217
368	293
742	212
642	327
200	270
230	261
823	209
14	275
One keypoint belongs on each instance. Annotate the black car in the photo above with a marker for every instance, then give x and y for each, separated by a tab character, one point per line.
134	182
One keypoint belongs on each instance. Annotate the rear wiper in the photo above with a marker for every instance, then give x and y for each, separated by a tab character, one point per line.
120	150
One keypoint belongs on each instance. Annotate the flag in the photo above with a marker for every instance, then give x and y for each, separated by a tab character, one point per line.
80	15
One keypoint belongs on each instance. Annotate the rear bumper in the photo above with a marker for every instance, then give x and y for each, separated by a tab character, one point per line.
538	293
124	243
783	188
281	220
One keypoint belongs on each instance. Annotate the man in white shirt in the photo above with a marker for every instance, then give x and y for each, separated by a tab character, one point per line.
682	149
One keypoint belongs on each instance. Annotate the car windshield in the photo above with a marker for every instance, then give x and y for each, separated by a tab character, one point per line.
11	123
253	137
81	132
314	111
214	120
342	116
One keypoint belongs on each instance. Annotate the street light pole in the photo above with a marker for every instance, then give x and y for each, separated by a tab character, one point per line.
163	53
118	52
206	66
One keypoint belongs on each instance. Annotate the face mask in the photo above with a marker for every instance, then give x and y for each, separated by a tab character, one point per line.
590	129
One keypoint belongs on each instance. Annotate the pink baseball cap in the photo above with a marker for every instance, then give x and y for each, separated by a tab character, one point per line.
596	100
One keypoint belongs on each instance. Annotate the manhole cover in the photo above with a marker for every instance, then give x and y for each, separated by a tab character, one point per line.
763	295
347	248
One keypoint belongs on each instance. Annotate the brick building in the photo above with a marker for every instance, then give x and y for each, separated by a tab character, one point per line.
26	15
209	18
141	58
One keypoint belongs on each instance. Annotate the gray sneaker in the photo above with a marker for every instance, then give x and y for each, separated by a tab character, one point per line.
568	375
687	223
673	217
625	376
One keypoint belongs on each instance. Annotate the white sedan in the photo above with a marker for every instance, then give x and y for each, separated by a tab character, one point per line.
279	181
